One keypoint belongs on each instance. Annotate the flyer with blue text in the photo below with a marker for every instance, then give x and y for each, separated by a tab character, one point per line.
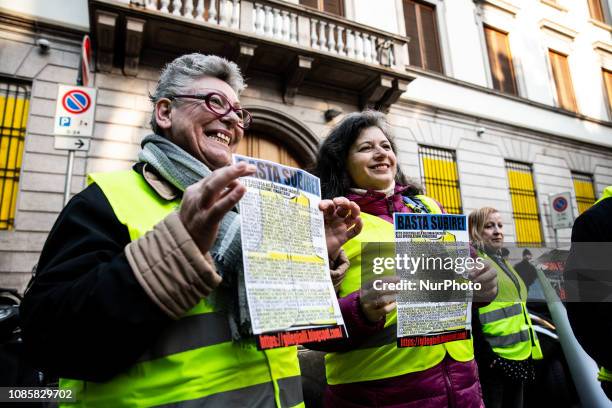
290	295
433	261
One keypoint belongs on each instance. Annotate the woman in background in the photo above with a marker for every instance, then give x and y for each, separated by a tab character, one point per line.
504	339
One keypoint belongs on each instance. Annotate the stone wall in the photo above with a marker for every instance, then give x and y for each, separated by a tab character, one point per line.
122	120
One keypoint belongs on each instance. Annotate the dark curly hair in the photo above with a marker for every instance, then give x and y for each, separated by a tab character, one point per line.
332	157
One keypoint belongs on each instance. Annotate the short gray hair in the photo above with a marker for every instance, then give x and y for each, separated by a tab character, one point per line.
177	76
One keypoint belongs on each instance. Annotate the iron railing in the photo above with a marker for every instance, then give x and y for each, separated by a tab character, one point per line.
524	204
14	104
441	177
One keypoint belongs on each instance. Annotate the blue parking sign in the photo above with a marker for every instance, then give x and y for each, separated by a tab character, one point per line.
64	121
74	110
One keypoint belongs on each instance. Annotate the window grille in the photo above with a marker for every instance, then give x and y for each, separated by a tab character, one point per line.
14	105
441	178
585	192
524	204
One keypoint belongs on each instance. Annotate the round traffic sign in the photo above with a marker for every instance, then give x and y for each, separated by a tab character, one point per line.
76	101
559	204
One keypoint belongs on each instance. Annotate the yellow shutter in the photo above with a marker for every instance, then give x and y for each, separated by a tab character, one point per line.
14	105
441	177
524	204
585	192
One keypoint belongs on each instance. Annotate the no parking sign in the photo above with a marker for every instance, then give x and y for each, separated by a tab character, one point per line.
74	112
561	212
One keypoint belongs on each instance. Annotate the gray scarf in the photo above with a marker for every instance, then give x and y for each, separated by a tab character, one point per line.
182	170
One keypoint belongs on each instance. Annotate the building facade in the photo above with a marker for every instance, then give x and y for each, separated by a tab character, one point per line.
492	102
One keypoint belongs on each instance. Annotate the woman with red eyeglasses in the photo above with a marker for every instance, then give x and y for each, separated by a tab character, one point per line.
136	296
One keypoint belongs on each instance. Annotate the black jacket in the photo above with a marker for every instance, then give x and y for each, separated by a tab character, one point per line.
527	272
589	315
85	315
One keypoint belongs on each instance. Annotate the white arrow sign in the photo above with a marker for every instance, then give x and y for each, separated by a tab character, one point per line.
71	143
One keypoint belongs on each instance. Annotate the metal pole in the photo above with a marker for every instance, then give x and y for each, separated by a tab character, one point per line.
68	181
556	238
582	367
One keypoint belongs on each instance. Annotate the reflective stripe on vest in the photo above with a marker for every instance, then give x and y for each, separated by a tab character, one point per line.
378	356
502	313
260	395
388	335
193	362
508	339
506	325
190	332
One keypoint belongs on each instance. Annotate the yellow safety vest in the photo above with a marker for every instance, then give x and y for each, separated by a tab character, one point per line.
604	374
607	192
379	357
194	362
506	324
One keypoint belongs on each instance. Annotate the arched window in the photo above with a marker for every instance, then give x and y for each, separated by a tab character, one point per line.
278	137
262	146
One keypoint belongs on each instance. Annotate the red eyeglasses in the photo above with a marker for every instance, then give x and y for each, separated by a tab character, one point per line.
218	104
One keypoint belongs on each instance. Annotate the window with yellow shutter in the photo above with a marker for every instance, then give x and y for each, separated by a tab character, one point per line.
524	204
441	178
500	61
585	192
14	104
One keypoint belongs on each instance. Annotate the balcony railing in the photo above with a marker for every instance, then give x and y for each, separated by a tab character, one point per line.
302	49
291	24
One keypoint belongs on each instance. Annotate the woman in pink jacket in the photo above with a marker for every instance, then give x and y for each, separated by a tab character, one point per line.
358	160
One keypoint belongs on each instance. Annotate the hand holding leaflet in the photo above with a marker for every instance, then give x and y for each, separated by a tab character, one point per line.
434	306
487	277
290	296
342	223
375	303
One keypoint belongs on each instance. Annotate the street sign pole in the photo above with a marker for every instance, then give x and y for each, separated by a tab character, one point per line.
83	79
71	144
68	180
548	209
561	214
